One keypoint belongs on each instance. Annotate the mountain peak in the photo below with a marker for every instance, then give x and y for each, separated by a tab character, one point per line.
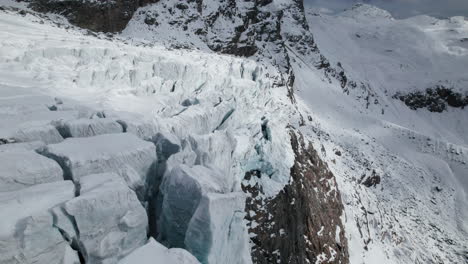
361	10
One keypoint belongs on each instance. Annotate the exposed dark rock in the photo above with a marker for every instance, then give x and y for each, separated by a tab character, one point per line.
371	181
436	99
100	16
150	21
4	141
265	129
300	224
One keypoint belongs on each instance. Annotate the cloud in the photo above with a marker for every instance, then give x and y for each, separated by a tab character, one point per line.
403	8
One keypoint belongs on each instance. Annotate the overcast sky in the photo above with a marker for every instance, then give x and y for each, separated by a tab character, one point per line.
403	8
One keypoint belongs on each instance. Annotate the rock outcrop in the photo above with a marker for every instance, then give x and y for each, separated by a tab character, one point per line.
302	224
103	16
436	99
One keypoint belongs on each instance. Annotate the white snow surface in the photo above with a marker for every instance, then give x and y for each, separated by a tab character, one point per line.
27	234
103	153
110	219
155	253
24	168
419	211
85	127
394	55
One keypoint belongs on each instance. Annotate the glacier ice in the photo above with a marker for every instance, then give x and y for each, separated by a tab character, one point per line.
23	168
104	153
155	253
201	214
88	127
26	117
216	232
27	234
33	131
32	145
106	221
136	124
182	189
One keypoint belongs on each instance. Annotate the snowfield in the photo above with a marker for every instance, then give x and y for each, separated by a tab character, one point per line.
108	141
418	212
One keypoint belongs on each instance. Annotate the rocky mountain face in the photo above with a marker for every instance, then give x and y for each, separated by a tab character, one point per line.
302	223
102	16
436	99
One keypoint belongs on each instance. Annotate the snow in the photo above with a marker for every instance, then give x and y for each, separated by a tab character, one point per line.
155	253
108	218
414	152
410	54
103	153
23	168
27	234
138	125
32	203
366	12
26	116
33	145
32	131
89	127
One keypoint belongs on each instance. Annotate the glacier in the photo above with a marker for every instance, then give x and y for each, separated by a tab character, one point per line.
24	168
212	122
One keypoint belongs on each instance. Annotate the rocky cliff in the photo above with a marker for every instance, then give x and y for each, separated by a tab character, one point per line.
302	224
101	16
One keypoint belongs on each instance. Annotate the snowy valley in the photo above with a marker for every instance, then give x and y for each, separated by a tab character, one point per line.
231	132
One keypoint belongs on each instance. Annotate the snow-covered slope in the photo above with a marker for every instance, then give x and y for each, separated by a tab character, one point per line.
394	55
402	172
